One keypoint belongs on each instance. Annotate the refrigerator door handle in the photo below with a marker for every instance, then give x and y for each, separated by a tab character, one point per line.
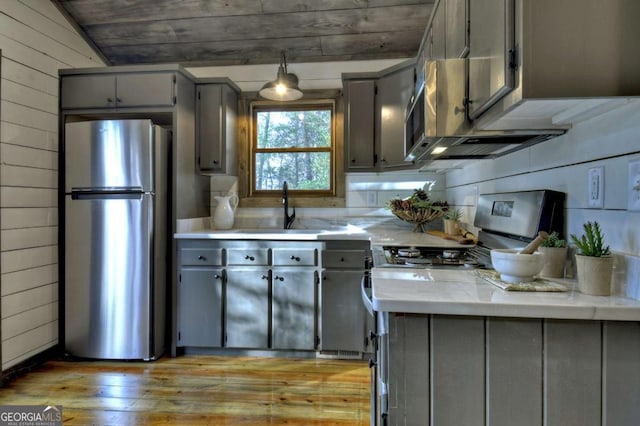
106	195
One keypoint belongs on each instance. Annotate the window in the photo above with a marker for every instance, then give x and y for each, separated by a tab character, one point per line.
293	143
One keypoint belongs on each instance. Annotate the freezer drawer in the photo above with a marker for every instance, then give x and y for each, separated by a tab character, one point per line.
108	276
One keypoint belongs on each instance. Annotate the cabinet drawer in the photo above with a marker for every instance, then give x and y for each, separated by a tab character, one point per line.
200	256
352	259
248	257
294	257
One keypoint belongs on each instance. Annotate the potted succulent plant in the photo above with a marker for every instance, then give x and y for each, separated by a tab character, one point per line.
451	221
594	262
555	255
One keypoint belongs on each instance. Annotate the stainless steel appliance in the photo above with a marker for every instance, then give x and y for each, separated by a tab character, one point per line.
507	220
115	219
443	122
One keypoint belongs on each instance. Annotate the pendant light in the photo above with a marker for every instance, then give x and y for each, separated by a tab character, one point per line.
284	87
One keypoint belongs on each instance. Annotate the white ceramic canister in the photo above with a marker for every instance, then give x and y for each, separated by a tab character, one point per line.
225	211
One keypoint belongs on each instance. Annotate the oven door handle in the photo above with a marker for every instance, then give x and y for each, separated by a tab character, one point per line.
365	285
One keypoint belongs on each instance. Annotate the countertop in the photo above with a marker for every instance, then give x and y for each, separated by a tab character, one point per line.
342	233
378	235
456	292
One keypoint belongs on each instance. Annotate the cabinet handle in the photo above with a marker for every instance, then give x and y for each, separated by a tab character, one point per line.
118	100
215	161
251	258
342	259
109	100
372	363
296	258
264	277
278	278
201	257
353	160
217	277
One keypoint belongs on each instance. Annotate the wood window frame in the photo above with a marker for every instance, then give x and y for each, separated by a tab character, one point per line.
307	105
246	132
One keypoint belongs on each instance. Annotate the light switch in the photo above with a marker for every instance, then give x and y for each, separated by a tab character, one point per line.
633	192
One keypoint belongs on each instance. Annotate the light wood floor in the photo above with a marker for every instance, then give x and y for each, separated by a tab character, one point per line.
200	390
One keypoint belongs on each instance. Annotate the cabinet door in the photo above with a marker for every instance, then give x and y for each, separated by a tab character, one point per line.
200	307
247	310
343	313
88	91
456	41
294	309
145	89
209	126
359	124
438	28
491	42
216	112
394	93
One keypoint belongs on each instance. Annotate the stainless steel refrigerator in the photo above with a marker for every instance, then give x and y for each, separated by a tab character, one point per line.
115	239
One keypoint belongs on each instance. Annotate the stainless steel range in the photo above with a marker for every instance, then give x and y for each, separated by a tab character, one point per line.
507	220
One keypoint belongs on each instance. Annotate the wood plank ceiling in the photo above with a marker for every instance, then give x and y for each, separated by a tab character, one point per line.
236	32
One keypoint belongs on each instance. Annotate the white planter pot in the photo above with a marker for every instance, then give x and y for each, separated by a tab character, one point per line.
594	274
554	261
450	226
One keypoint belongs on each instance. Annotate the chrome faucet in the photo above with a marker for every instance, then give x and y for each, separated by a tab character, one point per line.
288	220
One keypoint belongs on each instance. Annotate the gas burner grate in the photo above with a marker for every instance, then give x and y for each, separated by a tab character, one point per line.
427	257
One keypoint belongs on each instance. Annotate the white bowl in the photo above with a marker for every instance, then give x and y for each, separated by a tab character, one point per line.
514	267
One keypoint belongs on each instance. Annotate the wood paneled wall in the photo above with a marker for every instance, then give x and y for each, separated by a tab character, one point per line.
36	41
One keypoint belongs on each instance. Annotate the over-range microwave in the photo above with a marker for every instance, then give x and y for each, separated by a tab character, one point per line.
415	124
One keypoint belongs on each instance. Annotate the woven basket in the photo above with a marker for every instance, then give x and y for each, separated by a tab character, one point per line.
418	217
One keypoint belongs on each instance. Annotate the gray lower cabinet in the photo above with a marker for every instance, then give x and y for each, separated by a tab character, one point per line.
250	294
294	308
201	324
247	308
458	370
200	286
343	320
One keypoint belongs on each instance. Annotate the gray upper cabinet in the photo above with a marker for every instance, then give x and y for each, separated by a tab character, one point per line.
359	124
216	116
491	42
118	90
394	93
374	119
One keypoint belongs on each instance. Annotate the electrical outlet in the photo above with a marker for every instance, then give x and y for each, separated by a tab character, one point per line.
372	198
596	187
633	192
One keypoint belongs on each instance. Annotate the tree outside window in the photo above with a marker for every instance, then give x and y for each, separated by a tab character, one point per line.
293	143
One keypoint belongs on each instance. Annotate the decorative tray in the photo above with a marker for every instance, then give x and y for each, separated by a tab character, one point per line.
538	284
